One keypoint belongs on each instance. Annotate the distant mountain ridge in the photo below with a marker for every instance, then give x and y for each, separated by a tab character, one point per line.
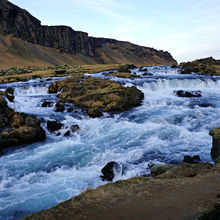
21	24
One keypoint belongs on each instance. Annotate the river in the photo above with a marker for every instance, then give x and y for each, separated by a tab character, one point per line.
163	129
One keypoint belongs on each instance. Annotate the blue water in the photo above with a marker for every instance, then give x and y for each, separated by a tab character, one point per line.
162	130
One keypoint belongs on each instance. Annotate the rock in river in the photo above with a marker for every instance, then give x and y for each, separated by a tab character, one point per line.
193	160
97	95
54	126
18	128
109	170
188	94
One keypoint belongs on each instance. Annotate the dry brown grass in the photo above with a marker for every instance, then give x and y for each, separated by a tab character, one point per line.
141	198
46	73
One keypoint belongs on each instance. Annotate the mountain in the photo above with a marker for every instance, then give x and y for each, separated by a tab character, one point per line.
24	40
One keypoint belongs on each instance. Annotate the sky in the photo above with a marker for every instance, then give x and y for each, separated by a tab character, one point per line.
188	29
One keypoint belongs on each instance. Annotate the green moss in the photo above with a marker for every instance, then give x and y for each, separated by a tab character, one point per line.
97	95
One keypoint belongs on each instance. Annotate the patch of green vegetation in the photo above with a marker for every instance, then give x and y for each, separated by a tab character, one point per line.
206	66
17	71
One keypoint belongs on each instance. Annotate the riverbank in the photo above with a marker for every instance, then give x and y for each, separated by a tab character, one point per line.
165	198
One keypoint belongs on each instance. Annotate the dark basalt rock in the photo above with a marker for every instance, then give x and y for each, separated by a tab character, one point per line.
10	97
67	134
54	126
10	91
147	74
193	160
60	107
109	170
143	69
47	104
188	94
74	128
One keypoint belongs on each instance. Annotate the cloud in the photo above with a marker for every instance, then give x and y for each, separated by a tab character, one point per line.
106	7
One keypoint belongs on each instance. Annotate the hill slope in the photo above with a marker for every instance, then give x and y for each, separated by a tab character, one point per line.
23	34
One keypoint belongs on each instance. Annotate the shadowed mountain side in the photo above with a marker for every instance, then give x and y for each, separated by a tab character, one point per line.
81	48
15	52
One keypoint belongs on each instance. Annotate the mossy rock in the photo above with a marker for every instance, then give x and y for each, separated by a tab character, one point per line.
215	151
158	169
126	68
97	95
17	128
170	171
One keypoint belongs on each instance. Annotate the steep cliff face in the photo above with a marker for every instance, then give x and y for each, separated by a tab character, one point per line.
21	24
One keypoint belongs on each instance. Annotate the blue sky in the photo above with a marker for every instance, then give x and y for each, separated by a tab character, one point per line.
188	29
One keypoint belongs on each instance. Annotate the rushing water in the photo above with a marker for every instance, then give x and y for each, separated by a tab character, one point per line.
162	130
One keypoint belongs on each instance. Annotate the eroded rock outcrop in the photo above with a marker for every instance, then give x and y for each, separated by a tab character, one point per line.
17	128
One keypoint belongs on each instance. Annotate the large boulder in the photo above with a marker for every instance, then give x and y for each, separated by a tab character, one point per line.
215	151
95	95
109	171
18	128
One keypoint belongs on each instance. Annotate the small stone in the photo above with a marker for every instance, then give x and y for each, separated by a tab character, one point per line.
74	128
47	104
192	160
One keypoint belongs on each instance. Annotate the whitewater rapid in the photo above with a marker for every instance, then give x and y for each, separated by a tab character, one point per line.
163	129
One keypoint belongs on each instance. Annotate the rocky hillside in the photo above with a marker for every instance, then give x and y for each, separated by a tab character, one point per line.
19	23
